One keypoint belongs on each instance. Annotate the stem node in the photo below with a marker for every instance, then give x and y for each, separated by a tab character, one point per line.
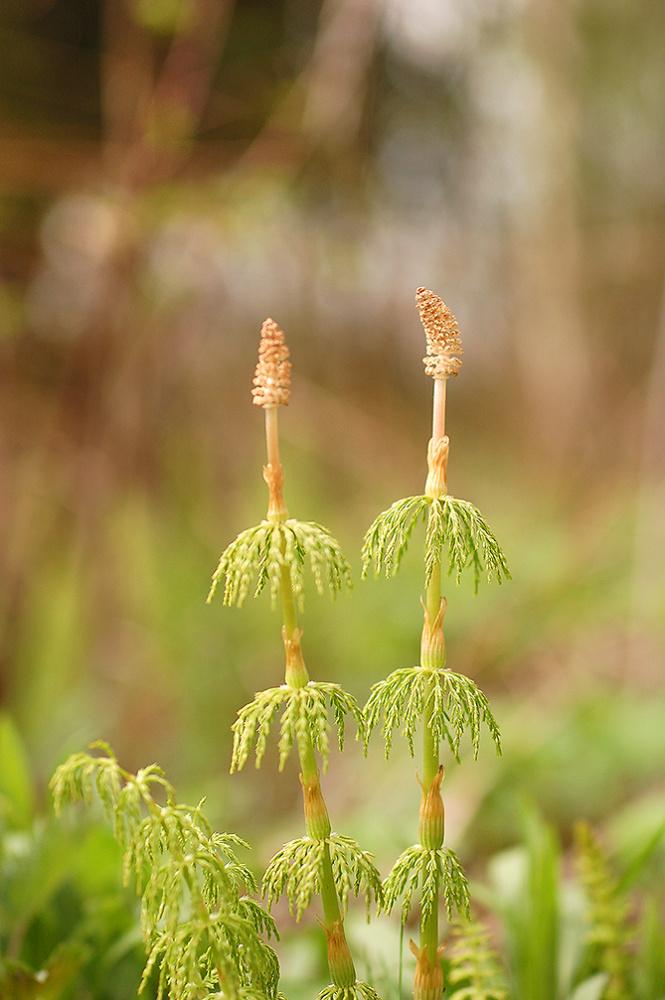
428	981
432	643
431	821
436	484
317	821
274	478
295	673
340	963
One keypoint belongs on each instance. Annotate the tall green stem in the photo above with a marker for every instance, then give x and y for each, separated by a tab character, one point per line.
289	616
429	929
431	809
317	822
430	744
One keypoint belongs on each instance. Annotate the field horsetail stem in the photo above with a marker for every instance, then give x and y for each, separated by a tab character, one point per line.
272	380
443	347
430	696
443	344
276	552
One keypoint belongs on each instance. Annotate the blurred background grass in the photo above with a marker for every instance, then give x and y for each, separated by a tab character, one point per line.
174	171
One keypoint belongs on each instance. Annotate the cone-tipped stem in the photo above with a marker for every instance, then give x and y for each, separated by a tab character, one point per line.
272	378
443	703
442	333
443	347
317	821
441	361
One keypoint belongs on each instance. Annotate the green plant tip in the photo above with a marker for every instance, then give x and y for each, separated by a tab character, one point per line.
475	971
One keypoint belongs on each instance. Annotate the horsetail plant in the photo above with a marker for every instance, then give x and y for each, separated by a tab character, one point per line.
200	927
204	933
275	553
430	697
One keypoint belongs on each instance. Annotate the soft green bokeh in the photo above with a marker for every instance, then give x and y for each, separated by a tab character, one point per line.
169	178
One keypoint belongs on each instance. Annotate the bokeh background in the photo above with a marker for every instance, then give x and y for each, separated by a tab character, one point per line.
174	171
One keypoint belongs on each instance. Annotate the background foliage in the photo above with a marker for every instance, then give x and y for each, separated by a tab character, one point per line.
173	171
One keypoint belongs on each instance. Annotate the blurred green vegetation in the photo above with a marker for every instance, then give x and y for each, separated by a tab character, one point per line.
173	172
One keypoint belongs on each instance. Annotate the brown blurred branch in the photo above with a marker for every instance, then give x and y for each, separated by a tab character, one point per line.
330	88
337	72
152	115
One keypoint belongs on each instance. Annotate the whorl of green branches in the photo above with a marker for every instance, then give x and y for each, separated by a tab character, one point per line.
456	533
304	719
437	872
474	969
199	927
455	704
296	869
267	550
359	991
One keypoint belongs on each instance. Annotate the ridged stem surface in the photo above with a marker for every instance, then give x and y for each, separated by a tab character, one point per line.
428	980
317	822
429	927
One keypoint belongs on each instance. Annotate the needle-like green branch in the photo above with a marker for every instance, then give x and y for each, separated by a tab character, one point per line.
359	991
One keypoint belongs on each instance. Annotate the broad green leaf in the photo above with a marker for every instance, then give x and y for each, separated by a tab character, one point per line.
590	989
16	791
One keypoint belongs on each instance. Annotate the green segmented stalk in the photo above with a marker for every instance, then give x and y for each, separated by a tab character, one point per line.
441	347
445	704
276	552
429	929
340	962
